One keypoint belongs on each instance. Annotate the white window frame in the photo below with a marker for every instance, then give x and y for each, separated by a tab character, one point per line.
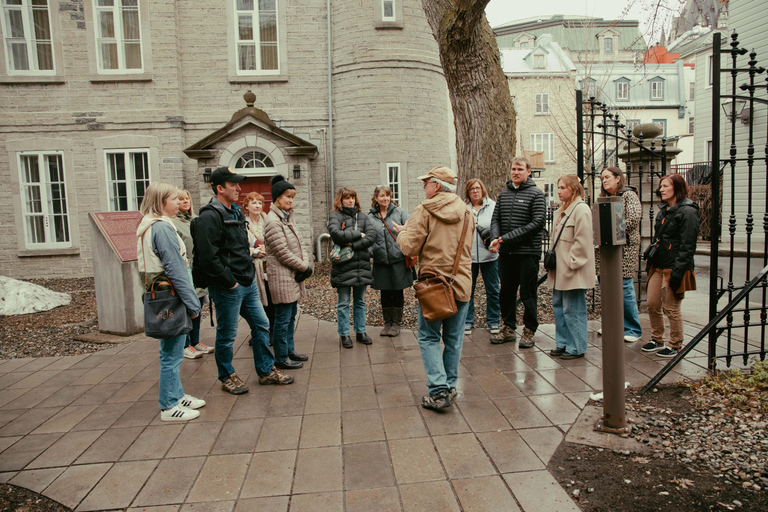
255	15
657	89
539	62
538	142
26	10
396	184
691	125
393	16
45	198
118	11
709	71
692	91
608	41
542	104
131	182
622	87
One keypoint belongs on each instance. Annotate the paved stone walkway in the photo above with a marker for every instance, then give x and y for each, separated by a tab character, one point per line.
347	435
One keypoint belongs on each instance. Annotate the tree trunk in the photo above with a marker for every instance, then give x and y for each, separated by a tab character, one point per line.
482	106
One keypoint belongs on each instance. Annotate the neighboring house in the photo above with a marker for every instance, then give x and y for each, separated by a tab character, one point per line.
100	98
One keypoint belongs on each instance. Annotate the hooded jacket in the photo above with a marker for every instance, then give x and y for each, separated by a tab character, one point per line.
161	252
433	234
519	219
678	238
357	271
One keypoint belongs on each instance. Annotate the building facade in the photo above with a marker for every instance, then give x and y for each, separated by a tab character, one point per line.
100	98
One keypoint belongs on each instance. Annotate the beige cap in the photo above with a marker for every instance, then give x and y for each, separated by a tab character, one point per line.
442	173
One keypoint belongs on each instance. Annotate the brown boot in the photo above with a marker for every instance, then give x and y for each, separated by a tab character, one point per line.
527	340
386	314
506	334
397	318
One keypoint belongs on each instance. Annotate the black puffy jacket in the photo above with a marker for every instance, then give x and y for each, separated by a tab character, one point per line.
357	271
519	219
222	257
680	225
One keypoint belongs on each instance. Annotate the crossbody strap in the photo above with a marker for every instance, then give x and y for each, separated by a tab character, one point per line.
461	246
385	225
561	229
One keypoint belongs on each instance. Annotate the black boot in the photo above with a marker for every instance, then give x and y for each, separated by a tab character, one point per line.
346	341
363	338
386	314
397	318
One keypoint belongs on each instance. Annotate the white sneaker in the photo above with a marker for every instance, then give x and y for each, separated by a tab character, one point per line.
178	413
467	330
191	402
631	339
191	353
495	329
600	332
203	348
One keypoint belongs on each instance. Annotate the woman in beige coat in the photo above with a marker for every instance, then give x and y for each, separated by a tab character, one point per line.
288	265
575	270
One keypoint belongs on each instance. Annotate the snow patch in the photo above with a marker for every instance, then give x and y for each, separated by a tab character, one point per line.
20	297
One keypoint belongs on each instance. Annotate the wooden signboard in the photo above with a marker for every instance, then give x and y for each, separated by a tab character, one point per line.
119	228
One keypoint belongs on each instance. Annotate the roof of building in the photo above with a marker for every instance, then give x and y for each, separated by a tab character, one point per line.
520	61
639	78
574	33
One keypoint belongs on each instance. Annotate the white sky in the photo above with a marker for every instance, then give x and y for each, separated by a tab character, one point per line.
502	11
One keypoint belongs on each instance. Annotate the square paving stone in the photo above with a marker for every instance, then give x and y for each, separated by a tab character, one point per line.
428	496
271	504
496	385
522	413
249	406
209	506
36	379
25	451
403	422
287	402
110	446
170	483
362	426
279	434
119	486
196	439
36	479
324	378
558	409
220	479
28	421
415	460
325	360
270	474
140	414
31	397
9	395
447	421
102	417
372	500
65	419
354	357
564	380
131	391
394	395
237	436
367	466
382	355
538	490
358	398
64	451
318	470
356	376
323	401
387	373
75	482
484	494
64	396
463	456
97	394
153	443
509	452
321	430
483	416
544	441
318	502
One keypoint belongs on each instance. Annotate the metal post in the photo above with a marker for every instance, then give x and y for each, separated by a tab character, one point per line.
714	231
611	289
579	137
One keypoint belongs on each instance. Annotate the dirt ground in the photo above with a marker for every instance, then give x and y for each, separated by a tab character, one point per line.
18	499
611	481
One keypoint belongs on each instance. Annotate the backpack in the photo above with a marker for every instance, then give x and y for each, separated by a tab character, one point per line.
199	277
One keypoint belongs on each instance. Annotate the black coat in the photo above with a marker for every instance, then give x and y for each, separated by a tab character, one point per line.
357	271
519	219
678	238
389	270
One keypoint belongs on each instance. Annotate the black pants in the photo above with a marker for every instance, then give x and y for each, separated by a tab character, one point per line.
519	271
392	298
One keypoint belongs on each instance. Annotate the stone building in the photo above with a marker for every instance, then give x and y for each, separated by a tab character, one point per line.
99	98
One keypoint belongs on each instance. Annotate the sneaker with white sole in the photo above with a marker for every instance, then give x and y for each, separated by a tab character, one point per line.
178	413
631	339
439	400
600	331
467	330
494	329
653	346
191	402
203	348
668	352
191	353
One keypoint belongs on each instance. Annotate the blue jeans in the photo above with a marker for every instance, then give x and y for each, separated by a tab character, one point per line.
490	270
193	338
442	368
570	309
358	309
631	314
229	306
171	356
282	332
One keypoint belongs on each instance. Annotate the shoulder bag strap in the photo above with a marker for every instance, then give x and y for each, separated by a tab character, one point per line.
657	235
385	225
561	229
461	245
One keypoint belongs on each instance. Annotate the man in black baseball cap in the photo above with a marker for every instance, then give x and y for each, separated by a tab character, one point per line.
223	264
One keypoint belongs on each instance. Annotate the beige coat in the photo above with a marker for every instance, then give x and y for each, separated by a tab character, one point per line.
285	257
433	235
258	263
575	250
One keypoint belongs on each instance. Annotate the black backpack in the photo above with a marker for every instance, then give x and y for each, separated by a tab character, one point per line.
199	277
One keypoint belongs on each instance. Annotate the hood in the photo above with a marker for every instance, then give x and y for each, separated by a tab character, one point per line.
685	203
375	210
528	183
147	221
447	207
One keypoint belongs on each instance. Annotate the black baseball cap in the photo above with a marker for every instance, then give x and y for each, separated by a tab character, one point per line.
222	174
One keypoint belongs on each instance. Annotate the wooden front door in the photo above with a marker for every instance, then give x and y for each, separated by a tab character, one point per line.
259	184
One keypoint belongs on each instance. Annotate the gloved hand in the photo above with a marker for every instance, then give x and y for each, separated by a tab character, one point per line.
674	283
485	235
301	276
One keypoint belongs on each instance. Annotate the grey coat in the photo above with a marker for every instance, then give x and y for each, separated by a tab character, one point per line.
389	270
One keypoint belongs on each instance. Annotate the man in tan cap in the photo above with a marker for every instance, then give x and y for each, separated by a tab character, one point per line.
433	233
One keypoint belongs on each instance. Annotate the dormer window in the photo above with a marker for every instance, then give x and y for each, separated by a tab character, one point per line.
608	45
525	44
622	89
657	89
538	62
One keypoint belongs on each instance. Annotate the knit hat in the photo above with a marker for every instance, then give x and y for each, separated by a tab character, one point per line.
279	186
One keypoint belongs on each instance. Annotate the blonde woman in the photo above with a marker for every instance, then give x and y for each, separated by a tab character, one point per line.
575	271
161	252
193	349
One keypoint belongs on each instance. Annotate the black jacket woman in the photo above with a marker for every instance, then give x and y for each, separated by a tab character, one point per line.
351	274
670	270
390	275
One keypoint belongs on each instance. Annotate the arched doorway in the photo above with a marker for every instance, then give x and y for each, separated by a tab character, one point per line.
259	184
259	168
